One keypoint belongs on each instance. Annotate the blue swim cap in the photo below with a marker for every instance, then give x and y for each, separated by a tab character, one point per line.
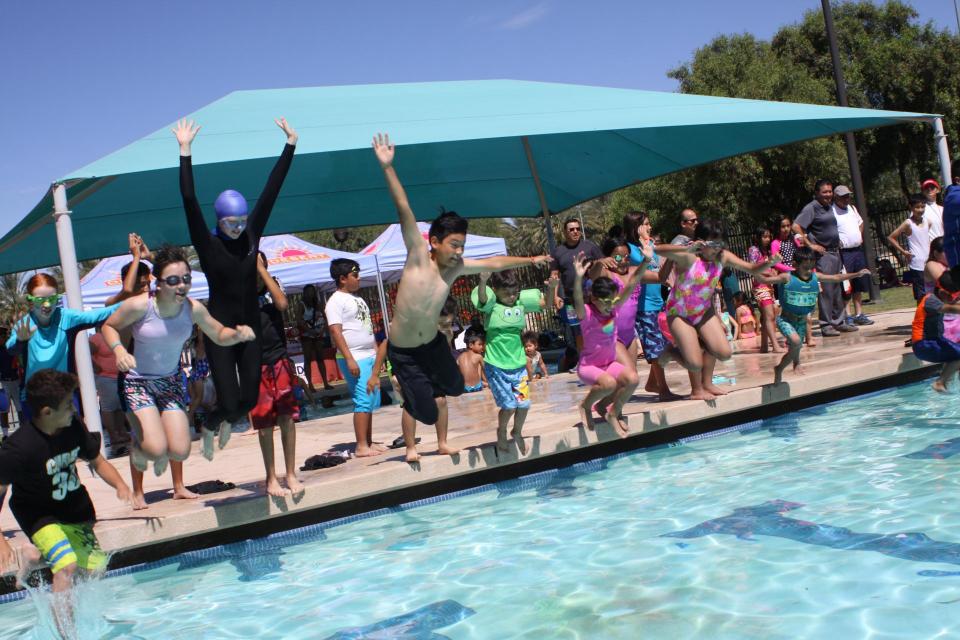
230	203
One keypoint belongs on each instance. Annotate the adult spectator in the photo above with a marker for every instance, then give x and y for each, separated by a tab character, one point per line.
816	227
313	336
688	226
850	230
9	382
563	256
932	212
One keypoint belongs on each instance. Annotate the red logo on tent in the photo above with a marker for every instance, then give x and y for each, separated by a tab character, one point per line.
295	254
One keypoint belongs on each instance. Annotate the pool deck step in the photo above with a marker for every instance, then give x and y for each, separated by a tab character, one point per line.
838	367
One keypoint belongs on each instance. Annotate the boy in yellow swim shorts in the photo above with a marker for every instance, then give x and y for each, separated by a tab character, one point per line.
49	502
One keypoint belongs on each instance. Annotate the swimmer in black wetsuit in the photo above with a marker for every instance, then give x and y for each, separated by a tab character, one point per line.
229	260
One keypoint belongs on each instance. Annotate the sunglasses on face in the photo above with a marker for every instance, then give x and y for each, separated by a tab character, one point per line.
51	300
692	221
173	281
573	229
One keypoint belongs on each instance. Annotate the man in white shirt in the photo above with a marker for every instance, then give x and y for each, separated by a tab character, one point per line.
850	228
359	357
932	212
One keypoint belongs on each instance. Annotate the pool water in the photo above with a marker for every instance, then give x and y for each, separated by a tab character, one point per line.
833	522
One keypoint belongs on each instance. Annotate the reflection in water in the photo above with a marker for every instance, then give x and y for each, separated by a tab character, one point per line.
416	625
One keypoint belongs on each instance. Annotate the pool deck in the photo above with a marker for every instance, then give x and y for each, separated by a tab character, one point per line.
837	367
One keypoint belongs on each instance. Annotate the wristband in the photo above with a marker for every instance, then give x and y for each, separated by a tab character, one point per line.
115	345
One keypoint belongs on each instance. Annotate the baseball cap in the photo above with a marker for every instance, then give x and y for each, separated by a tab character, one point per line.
842	190
930	183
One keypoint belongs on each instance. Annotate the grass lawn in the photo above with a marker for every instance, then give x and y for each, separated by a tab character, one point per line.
897	298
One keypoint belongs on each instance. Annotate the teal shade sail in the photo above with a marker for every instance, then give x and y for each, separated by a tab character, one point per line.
459	147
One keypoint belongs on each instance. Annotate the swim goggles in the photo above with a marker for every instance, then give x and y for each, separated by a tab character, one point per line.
619	258
51	300
236	223
173	281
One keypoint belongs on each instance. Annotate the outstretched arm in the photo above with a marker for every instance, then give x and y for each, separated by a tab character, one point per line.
500	263
580	268
257	221
385	152
129	282
780	278
186	131
273	287
731	259
221	335
840	277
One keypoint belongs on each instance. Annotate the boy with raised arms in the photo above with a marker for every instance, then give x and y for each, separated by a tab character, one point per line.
50	504
420	356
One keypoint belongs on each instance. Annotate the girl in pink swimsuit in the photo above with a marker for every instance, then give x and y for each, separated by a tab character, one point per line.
690	313
759	253
611	384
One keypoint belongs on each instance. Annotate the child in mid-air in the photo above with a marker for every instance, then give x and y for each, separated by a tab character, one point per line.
928	341
420	356
471	363
611	383
504	307
49	502
536	367
799	297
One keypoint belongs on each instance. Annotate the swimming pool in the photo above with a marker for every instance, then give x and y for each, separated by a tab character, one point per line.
837	521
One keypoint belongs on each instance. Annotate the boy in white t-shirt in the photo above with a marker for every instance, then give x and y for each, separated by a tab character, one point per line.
358	356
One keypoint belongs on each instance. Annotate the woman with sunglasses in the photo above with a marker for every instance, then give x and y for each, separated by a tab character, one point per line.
41	337
161	321
228	257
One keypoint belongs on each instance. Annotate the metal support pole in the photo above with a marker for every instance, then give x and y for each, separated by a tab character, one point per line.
71	282
551	241
383	300
858	193
943	152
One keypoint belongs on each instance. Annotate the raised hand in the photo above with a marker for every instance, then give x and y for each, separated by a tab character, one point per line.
24	329
186	131
580	264
383	149
292	136
145	252
133	243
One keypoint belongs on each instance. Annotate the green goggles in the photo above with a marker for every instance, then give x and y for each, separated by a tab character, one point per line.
51	300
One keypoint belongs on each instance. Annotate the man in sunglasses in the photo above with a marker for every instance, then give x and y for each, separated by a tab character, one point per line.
561	266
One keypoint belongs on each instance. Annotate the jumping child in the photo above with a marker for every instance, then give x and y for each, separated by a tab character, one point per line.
49	502
505	362
611	384
421	357
700	338
799	298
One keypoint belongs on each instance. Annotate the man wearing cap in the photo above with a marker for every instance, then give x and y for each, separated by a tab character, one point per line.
816	227
932	213
850	230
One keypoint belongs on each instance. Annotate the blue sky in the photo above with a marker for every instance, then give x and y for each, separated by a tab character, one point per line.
82	79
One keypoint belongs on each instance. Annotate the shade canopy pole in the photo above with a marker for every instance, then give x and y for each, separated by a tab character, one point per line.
551	241
71	283
383	300
943	152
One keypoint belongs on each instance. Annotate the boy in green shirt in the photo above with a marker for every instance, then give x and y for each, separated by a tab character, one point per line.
504	307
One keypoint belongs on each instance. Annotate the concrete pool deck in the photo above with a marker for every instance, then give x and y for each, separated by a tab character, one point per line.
839	367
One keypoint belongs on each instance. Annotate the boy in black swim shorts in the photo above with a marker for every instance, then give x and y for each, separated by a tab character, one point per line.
419	354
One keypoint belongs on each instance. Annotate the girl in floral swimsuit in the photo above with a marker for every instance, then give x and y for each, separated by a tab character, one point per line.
698	334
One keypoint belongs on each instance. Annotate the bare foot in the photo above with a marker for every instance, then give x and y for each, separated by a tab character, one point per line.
139	502
296	487
447	450
614	421
208	437
274	489
518	438
669	396
811	345
586	418
714	389
366	452
778	374
702	395
226	430
799	370
651	386
502	444
377	446
412	455
938	386
184	494
160	465
602	407
137	458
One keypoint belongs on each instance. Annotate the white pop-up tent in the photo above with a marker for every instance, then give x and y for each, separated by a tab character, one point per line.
297	263
104	280
392	252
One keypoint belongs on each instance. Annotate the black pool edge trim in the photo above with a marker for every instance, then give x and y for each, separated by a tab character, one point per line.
396	497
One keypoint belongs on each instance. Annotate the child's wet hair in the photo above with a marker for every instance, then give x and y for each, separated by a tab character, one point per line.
167	255
709	229
507	280
447	223
603	287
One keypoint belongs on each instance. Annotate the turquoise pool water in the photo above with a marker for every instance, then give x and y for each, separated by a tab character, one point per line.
834	522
